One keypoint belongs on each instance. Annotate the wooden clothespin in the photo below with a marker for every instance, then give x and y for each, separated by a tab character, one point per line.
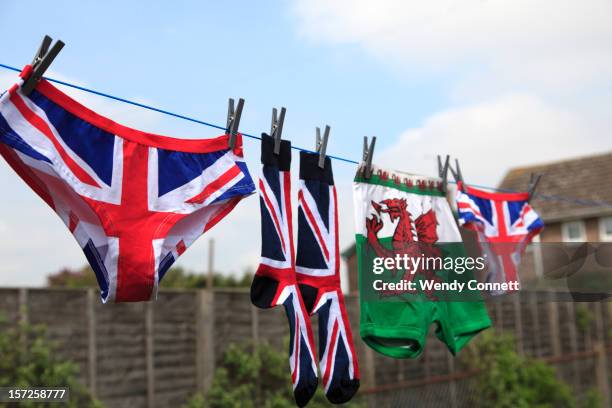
276	129
443	170
457	174
368	153
534	179
42	60
233	120
321	146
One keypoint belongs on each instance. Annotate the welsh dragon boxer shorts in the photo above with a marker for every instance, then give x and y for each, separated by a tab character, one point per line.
403	214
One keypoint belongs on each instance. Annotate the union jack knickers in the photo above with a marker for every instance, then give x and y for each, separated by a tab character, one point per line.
505	224
275	280
134	201
318	275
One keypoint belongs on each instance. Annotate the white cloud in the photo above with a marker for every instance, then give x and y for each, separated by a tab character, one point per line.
489	137
528	80
546	42
7	78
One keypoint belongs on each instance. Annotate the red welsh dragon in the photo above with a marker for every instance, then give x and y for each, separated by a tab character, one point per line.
413	238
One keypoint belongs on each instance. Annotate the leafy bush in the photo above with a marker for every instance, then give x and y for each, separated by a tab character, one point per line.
29	360
593	399
175	278
508	379
584	317
253	378
179	278
67	278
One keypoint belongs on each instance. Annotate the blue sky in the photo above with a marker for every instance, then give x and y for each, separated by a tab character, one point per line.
498	84
192	58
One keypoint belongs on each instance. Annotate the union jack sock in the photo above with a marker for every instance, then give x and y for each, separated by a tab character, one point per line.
318	275
275	280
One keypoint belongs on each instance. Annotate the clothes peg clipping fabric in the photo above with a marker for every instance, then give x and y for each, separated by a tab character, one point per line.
42	60
443	170
365	168
534	179
276	129
321	146
457	175
233	120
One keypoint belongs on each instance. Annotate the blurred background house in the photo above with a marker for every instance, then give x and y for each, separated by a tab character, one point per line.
586	218
588	179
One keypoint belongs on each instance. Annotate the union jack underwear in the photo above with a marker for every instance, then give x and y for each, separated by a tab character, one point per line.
134	201
505	224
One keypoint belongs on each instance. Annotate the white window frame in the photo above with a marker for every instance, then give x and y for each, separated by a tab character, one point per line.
603	236
565	228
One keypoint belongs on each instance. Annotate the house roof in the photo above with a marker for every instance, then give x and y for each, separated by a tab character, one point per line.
586	178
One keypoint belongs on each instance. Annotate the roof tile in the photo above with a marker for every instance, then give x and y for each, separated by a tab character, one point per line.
584	178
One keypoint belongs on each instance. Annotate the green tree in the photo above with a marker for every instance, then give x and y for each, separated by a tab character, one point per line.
593	399
177	278
30	360
508	379
67	278
253	378
584	317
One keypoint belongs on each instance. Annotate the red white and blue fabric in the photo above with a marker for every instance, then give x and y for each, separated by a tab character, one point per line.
505	223
318	275
134	201
275	280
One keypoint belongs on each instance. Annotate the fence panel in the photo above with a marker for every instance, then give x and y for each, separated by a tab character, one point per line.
160	353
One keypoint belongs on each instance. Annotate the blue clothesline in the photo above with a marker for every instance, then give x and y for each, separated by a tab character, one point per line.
201	122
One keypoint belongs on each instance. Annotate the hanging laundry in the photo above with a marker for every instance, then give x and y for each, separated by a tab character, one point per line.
134	201
275	282
318	276
400	214
505	224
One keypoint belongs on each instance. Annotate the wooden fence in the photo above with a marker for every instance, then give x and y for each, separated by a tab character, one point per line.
160	353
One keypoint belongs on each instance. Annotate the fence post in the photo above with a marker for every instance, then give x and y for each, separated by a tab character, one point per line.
205	346
367	366
370	371
149	354
400	370
553	319
255	345
92	358
535	315
599	323
452	384
499	314
23	316
518	322
210	277
601	372
602	357
23	305
255	325
571	314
